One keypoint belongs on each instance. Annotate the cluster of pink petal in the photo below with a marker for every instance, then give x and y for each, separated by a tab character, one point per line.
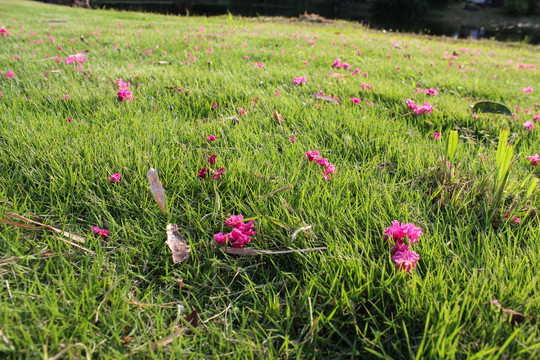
534	159
299	80
329	168
527	89
75	59
123	92
403	256
337	64
419	109
115	177
9	74
240	235
528	125
432	92
101	232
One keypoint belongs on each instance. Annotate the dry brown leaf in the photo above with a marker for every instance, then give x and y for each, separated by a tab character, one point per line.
58	231
326	98
515	317
157	189
280	119
335	75
180	249
193	318
255	252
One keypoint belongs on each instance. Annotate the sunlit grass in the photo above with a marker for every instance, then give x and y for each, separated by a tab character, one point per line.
346	302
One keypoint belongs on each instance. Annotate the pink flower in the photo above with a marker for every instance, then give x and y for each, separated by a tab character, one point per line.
101	232
395	231
124	94
406	260
528	125
68	120
345	65
312	155
398	68
322	161
527	89
534	158
330	169
9	74
475	116
202	173
212	159
66	97
410	104
260	64
356	72
365	74
211	137
59	47
412	232
337	63
217	175
241	112
277	93
436	135
115	177
241	233
299	80
355	100
214	105
432	92
234	220
293	139
367	86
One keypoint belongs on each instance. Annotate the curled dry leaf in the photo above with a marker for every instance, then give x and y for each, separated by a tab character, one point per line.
326	98
515	317
280	119
157	189
180	249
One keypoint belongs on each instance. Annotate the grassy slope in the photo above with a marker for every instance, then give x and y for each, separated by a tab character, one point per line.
347	301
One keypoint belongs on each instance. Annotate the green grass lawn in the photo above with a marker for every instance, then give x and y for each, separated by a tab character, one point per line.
121	295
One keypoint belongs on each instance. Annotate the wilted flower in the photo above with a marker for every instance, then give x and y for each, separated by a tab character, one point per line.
202	173
101	232
217	175
212	159
241	233
299	80
534	158
115	177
